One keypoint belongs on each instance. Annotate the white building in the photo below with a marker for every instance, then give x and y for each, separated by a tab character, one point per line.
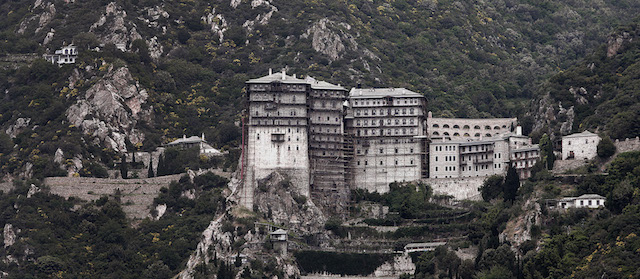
195	141
584	201
580	146
476	158
66	55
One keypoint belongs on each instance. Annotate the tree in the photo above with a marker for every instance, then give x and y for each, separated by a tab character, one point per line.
6	144
150	172
124	169
511	184
606	148
492	187
546	151
160	170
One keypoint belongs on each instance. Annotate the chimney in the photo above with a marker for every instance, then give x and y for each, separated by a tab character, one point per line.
294	75
184	136
202	136
270	71
284	73
519	130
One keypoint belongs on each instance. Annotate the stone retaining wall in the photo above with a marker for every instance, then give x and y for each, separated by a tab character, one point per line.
137	194
460	188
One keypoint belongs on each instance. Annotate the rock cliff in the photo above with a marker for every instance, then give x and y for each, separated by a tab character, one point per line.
110	110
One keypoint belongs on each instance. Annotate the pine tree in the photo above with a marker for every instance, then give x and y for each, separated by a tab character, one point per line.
124	169
150	172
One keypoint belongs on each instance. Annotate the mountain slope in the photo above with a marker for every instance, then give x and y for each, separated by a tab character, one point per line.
191	59
600	93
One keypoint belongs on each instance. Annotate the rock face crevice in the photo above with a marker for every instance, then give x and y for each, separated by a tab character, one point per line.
110	110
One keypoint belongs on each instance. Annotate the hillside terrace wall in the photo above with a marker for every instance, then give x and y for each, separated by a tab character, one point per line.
460	188
137	194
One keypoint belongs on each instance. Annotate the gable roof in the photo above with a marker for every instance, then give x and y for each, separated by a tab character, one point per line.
580	135
192	139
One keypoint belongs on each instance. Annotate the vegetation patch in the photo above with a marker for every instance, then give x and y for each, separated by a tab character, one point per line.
339	263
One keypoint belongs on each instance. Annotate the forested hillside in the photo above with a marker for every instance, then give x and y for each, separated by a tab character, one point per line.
601	93
187	61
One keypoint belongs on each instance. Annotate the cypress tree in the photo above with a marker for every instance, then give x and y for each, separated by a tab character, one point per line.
511	184
160	169
124	169
150	172
546	152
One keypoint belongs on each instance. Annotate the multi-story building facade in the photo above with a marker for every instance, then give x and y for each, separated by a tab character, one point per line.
276	132
477	158
326	144
293	126
386	132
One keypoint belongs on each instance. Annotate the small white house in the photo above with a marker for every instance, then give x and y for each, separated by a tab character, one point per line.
584	201
66	55
580	146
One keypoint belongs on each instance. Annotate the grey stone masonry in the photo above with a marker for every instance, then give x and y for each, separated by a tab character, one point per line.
387	132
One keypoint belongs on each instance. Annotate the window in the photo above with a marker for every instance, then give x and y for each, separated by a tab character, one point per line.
381	150
381	163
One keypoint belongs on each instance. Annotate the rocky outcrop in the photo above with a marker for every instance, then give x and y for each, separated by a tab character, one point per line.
9	234
554	117
261	19
214	242
615	43
43	13
217	24
112	28
286	206
335	39
110	110
518	230
325	40
17	127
